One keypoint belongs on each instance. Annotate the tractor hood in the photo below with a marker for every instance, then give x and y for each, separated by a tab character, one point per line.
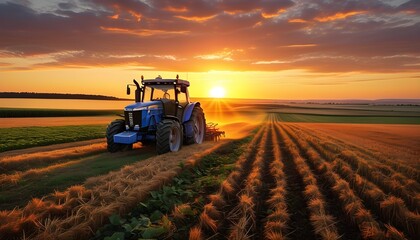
143	106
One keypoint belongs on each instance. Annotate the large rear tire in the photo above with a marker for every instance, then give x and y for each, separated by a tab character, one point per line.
168	136
115	127
199	126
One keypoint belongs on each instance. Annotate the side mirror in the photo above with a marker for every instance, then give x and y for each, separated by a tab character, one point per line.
128	90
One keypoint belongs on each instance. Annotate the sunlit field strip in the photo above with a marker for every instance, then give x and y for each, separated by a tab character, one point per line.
330	142
388	165
376	199
14	178
44	158
389	181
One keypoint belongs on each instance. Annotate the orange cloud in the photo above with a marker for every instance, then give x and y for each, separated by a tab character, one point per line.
115	17
301	45
143	32
203	35
137	16
338	16
196	19
174	9
271	15
297	20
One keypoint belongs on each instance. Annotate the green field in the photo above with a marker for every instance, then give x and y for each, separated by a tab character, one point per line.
25	137
34	112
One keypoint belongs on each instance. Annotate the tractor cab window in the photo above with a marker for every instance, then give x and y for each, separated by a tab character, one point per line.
159	92
182	96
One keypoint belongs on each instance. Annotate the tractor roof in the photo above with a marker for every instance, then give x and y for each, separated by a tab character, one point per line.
160	81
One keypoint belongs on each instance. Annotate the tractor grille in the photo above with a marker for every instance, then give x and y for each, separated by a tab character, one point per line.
133	118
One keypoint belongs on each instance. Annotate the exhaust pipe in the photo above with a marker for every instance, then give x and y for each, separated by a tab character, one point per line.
138	90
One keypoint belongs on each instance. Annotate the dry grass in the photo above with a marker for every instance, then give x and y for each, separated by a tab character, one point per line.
240	230
75	212
243	215
212	216
179	211
323	223
276	224
353	205
28	160
196	234
207	222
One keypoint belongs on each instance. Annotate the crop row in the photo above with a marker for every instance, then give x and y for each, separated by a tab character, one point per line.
216	213
390	182
285	155
351	204
389	208
403	172
322	222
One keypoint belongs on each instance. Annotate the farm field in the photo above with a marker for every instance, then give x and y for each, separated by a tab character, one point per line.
25	137
286	181
209	120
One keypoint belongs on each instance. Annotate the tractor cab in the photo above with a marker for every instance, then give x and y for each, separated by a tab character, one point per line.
172	93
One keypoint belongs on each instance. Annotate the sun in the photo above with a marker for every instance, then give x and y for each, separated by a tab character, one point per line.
217	92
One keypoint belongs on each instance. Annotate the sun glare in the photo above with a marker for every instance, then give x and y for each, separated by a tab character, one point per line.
217	92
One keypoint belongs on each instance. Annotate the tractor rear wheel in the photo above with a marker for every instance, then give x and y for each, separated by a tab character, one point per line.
168	136
115	127
199	126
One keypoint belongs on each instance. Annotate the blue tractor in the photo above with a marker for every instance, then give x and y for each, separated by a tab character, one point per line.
163	113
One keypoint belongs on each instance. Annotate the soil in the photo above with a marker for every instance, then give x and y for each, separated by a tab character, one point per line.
400	142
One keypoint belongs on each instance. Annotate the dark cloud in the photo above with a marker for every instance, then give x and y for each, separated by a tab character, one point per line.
202	35
412	6
67	5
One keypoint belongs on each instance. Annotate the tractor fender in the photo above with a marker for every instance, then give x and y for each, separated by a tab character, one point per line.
188	111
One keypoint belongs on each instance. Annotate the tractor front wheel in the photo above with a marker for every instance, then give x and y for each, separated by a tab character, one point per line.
168	136
116	126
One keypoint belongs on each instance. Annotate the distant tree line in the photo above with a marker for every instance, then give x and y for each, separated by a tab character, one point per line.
56	96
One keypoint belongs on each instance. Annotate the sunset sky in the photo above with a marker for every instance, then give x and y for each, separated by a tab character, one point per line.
271	49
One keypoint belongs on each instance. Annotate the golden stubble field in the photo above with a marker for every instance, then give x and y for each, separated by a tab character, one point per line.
293	181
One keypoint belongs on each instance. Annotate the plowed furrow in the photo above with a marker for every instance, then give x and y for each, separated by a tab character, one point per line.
345	228
299	224
389	209
395	184
385	165
267	185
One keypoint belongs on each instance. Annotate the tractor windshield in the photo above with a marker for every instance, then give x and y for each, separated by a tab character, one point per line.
158	92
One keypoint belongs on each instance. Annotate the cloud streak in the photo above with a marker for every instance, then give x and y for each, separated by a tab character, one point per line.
200	35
